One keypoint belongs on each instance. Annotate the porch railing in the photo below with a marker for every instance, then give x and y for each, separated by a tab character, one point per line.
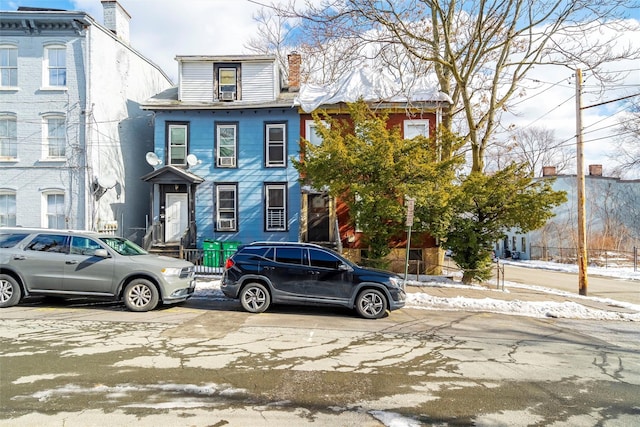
153	234
188	239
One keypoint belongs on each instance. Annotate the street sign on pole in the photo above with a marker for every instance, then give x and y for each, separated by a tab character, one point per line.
410	207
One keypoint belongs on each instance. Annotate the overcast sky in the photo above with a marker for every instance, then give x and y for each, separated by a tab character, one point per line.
162	29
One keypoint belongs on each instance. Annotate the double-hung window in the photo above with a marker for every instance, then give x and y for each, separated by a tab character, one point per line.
177	139
413	128
226	207
7	209
275	206
8	138
55	137
275	145
227	83
55	66
8	66
311	132
54	217
226	147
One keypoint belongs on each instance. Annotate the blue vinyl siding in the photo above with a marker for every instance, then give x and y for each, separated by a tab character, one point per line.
250	173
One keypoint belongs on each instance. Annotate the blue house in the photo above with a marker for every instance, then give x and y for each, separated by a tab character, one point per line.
223	144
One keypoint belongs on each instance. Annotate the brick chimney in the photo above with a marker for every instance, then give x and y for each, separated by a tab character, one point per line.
595	170
116	19
548	171
295	61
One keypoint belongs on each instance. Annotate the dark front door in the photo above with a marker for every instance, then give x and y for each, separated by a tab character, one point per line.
318	218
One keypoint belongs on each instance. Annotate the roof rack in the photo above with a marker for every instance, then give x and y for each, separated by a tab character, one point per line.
275	243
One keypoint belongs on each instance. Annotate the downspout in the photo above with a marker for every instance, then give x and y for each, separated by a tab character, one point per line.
88	114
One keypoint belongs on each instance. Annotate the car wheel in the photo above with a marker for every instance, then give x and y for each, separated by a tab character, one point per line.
371	304
10	292
255	298
140	295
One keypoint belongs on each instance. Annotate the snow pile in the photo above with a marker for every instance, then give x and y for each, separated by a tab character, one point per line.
370	85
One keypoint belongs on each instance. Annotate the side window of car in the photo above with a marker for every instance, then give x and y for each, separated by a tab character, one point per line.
84	246
289	255
255	254
323	259
49	243
10	240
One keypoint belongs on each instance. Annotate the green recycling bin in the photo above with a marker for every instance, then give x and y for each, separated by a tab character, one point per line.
212	250
228	249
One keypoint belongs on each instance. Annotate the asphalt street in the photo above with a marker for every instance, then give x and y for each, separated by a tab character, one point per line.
597	286
207	363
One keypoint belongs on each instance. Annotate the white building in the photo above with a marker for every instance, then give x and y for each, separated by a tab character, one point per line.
72	134
612	216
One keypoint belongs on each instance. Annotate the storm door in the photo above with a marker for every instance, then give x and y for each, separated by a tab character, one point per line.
176	216
318	218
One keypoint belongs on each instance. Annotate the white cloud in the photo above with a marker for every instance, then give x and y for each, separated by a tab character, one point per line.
162	29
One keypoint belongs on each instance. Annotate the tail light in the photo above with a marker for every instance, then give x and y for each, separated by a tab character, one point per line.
228	264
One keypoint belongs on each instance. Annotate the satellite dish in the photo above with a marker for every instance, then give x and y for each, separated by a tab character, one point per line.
152	159
192	160
107	181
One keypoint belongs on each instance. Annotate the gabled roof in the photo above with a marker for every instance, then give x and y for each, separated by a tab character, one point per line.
172	175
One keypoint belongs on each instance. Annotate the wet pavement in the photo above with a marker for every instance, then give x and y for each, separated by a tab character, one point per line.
207	363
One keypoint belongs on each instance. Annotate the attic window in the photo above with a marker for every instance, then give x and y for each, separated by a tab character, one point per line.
227	84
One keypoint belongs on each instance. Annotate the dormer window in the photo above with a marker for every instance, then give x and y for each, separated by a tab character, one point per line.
227	76
228	84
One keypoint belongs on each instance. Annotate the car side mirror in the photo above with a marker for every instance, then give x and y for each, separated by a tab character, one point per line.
102	253
343	267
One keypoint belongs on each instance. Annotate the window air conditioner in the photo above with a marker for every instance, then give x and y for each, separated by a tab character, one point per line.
227	161
227	96
225	224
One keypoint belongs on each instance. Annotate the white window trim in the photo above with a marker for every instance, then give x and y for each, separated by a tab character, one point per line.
408	123
226	161
15	197
268	209
46	84
45	137
11	118
356	226
309	129
234	92
45	206
170	126
10	67
267	144
226	224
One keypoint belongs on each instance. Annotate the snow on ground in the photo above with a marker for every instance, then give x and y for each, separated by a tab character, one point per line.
619	272
209	288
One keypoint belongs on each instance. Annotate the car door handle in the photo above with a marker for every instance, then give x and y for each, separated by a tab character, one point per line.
73	261
19	257
268	268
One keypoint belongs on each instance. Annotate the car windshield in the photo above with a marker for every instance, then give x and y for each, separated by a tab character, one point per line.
123	246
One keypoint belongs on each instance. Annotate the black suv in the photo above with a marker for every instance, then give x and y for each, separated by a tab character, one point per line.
301	273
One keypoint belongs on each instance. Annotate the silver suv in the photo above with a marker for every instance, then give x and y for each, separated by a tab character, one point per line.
68	263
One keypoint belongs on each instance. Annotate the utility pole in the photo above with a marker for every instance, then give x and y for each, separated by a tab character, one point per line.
582	221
